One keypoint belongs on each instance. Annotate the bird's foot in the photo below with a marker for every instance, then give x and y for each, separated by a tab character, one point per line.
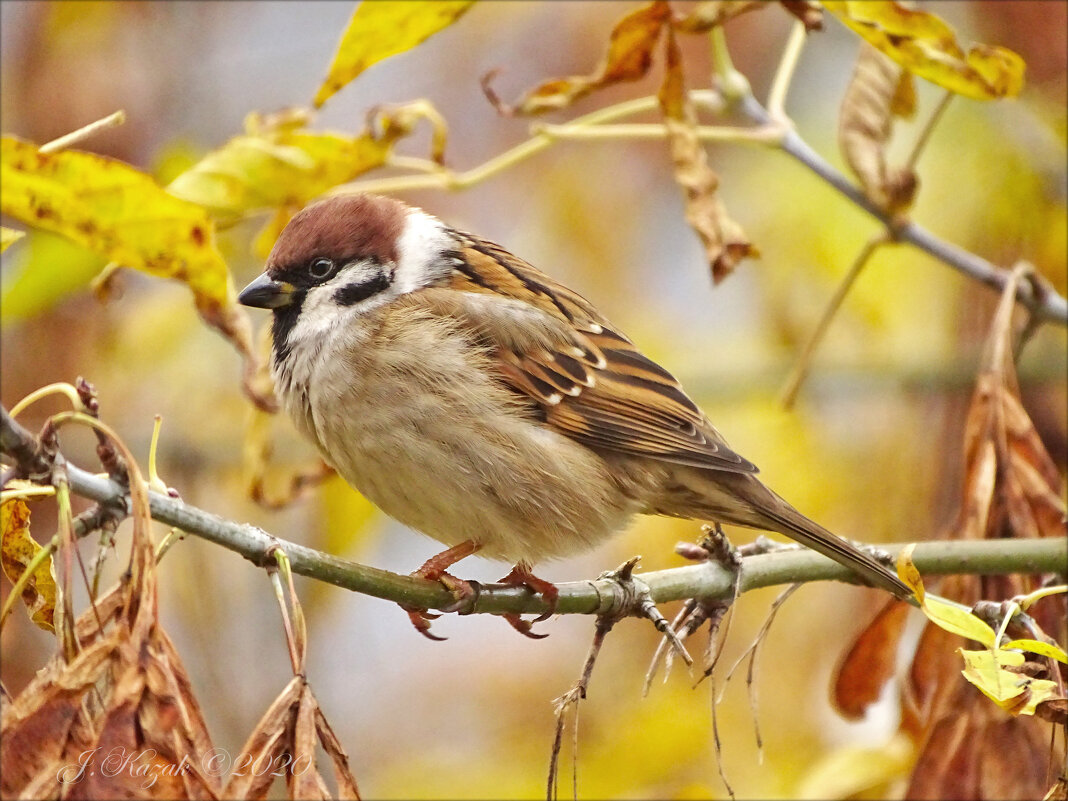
520	576
435	569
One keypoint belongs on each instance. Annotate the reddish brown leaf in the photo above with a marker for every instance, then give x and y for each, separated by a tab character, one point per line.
629	56
869	662
810	13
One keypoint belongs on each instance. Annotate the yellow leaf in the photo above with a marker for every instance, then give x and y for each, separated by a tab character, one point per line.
907	572
9	236
116	211
926	46
384	28
17	550
1038	647
281	169
1014	692
954	618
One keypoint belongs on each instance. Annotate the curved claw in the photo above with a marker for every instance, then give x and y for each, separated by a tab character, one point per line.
523	626
520	576
421	620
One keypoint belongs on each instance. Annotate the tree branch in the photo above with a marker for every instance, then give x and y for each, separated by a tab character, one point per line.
707	580
1047	306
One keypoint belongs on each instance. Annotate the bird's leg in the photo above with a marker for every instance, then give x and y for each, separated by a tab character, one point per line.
520	576
434	569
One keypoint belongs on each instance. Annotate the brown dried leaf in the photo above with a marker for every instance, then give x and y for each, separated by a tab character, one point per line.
629	56
878	91
34	735
1055	711
1011	489
346	782
869	662
289	729
724	241
271	738
17	550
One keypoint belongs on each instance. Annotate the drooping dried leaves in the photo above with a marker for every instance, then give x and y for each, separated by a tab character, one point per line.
969	747
124	691
879	91
629	57
724	241
287	735
118	717
925	45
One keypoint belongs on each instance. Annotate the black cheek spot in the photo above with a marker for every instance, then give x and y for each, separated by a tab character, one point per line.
285	318
353	293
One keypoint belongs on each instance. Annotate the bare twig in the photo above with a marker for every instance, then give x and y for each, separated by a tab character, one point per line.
804	361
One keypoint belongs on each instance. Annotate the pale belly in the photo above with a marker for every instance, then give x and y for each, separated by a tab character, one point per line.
459	465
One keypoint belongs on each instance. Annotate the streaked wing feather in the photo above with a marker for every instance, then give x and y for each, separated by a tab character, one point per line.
588	380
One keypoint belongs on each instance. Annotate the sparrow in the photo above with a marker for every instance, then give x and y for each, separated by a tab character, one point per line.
475	399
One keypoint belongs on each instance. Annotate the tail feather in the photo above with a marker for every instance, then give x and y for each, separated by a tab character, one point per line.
787	520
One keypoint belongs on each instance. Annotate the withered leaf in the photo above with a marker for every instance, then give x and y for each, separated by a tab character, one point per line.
17	551
869	662
724	241
878	91
266	744
629	56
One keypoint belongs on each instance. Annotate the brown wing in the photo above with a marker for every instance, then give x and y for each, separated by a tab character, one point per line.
589	381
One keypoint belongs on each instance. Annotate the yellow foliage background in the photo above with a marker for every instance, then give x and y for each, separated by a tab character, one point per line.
872	450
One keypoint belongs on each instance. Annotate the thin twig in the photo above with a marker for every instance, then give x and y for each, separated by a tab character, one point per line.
928	129
804	361
780	84
110	121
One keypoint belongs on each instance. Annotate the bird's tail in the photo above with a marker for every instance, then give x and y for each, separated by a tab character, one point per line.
787	520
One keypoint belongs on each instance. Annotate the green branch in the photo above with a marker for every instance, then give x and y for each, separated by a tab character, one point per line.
707	580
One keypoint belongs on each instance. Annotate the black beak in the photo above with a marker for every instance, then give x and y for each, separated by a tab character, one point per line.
266	293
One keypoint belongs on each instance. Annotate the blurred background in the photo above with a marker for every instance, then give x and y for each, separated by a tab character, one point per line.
872	449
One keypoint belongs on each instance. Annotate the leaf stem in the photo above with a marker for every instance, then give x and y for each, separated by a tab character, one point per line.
110	121
804	361
780	84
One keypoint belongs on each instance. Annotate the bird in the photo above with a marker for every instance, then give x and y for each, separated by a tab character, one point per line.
479	401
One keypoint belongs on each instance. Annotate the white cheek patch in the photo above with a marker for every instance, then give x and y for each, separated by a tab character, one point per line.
419	251
321	312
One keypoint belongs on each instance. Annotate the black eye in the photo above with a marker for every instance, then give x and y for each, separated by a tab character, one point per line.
321	267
